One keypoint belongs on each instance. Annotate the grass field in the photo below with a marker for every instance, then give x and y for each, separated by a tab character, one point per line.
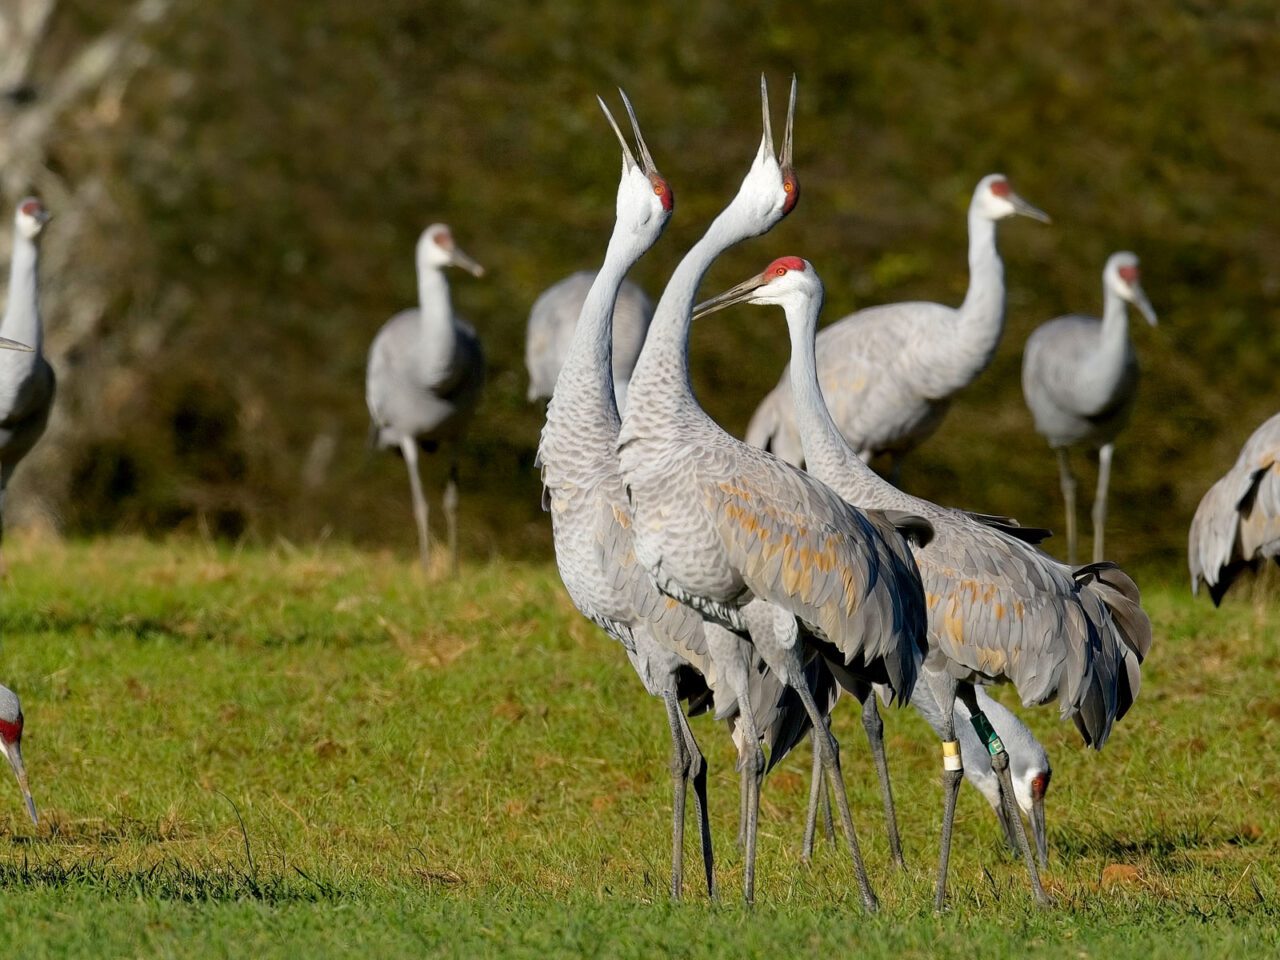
323	753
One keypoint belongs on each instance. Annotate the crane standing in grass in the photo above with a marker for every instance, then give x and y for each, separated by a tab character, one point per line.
424	377
676	655
731	530
1237	524
1080	378
1000	610
889	372
554	317
27	382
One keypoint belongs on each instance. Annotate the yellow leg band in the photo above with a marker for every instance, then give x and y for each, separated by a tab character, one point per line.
951	755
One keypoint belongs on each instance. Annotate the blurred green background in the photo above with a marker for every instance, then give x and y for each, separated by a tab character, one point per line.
264	171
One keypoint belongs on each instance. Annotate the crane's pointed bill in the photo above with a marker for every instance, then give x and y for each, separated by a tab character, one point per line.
14	752
1022	208
645	157
1142	303
628	159
766	144
784	159
459	259
1038	828
7	344
741	292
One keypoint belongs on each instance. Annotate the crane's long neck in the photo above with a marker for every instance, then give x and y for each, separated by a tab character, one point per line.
660	389
827	454
584	388
22	312
1112	350
438	336
982	312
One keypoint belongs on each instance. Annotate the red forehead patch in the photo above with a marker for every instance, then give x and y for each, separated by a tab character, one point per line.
792	187
11	731
1039	784
664	192
32	208
1001	188
1128	274
783	265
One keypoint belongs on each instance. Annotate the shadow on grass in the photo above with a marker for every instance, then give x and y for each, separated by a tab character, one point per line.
1162	842
171	880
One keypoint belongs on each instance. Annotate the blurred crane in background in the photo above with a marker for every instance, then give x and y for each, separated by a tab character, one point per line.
889	372
554	317
424	378
1080	378
27	382
1237	524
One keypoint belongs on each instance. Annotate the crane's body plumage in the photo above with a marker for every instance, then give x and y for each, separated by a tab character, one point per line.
1079	384
553	318
27	381
424	379
413	393
1237	523
889	372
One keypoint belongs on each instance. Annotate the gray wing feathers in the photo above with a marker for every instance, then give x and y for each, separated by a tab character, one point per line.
845	573
1237	523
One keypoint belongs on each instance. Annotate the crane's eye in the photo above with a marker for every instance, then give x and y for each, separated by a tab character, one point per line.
780	271
658	189
787	186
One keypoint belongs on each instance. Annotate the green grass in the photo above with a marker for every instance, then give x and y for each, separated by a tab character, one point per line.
316	753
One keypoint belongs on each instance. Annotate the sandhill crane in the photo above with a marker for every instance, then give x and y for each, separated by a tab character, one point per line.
553	318
27	382
1080	377
716	522
676	655
424	377
999	609
889	372
1237	524
11	744
1028	762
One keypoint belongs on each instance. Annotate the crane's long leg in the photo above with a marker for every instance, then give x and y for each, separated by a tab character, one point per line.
744	793
1000	764
451	515
943	687
1068	481
409	447
830	755
874	727
680	781
696	773
817	796
1100	500
752	763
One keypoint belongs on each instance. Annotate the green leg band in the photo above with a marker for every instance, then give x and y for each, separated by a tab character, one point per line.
986	733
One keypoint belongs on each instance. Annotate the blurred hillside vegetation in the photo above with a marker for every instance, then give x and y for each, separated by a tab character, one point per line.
237	208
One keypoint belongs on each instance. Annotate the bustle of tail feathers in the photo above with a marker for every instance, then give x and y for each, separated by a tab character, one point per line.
1132	629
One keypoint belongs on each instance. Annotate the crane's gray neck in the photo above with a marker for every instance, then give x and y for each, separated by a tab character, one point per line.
827	454
22	312
438	335
1111	352
982	312
587	373
660	384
